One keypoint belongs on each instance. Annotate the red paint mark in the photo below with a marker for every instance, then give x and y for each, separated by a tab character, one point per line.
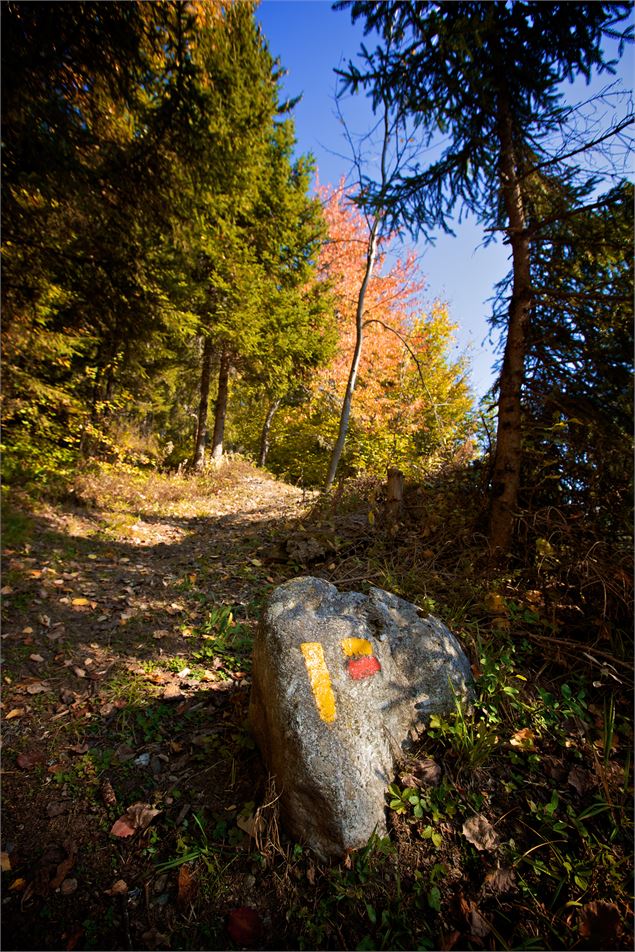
359	668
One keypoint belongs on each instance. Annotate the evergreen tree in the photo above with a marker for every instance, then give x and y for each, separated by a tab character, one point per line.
578	399
488	76
258	229
85	89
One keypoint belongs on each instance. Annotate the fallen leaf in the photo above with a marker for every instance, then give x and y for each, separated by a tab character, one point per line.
161	633
5	862
6	590
155	677
79	671
30	759
244	926
187	887
36	657
37	687
17	885
123	827
480	833
524	739
118	888
501	880
138	816
80	601
600	922
68	887
15	712
78	748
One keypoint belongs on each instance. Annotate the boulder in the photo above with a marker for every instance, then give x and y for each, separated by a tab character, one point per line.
340	680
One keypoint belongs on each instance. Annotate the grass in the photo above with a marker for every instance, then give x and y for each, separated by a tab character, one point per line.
132	492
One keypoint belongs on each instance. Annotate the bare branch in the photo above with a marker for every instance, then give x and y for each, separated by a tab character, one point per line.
628	121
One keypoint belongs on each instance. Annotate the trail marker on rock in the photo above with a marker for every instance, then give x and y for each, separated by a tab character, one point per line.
340	680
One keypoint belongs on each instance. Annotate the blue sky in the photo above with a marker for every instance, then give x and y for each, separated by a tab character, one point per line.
311	41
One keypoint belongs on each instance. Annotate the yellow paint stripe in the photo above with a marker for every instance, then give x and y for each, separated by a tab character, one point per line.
356	646
319	679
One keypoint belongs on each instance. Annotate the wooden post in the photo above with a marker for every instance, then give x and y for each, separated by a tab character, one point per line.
394	497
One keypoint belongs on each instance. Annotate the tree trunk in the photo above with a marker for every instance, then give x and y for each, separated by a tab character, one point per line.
357	354
266	429
221	406
198	458
507	458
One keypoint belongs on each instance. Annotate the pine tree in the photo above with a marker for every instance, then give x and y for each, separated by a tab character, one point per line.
487	76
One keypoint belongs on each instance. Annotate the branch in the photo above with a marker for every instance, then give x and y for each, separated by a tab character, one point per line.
583	148
387	327
598	297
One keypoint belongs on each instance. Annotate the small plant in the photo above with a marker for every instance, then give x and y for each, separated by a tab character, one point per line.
224	638
472	741
499	690
435	804
190	849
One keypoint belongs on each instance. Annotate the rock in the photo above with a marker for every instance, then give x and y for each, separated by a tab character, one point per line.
339	681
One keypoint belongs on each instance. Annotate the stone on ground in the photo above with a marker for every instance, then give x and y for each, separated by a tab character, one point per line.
340	680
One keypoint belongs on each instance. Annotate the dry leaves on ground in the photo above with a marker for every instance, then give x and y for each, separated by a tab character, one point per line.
480	833
139	816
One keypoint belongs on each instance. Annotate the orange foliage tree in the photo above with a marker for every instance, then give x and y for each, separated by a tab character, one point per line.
409	397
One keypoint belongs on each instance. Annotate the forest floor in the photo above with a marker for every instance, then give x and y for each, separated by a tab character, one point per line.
136	811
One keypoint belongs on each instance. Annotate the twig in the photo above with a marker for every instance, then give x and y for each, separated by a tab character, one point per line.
576	645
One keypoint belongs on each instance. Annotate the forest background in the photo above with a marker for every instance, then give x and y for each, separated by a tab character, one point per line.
163	254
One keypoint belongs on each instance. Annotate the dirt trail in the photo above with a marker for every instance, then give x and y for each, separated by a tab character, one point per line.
126	672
